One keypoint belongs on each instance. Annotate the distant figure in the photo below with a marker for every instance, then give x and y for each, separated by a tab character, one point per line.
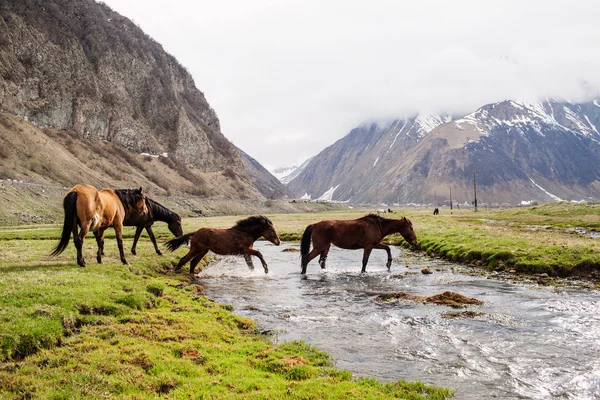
436	211
390	210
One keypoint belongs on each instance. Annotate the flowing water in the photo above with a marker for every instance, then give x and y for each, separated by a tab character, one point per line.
530	342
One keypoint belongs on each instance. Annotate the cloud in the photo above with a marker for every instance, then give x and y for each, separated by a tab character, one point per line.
290	78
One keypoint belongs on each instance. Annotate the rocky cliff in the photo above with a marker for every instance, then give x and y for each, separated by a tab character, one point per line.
77	65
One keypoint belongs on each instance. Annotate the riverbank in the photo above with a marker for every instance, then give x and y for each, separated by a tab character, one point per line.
142	331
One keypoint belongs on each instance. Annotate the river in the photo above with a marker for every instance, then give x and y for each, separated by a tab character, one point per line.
530	342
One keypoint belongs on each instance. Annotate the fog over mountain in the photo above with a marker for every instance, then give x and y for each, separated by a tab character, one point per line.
296	76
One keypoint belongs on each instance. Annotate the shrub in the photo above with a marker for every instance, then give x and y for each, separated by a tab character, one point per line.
229	173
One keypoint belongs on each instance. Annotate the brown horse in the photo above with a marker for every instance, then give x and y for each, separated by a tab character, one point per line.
94	210
156	212
237	240
362	233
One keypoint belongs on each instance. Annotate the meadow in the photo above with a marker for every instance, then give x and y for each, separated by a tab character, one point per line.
143	331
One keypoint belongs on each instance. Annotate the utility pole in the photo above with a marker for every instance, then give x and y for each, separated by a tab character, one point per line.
475	186
450	197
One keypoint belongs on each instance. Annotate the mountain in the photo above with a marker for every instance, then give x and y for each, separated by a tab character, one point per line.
78	66
344	170
542	151
268	185
287	174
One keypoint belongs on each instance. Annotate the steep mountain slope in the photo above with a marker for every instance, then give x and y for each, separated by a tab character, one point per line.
76	65
522	151
268	185
343	170
56	158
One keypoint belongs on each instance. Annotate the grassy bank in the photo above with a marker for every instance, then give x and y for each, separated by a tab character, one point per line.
141	331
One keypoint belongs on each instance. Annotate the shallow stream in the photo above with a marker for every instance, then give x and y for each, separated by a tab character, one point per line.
530	342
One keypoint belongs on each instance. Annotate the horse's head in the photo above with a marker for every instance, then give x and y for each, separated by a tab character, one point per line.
139	204
270	234
407	231
175	226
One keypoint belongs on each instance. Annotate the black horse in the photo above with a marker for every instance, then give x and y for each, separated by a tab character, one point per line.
156	212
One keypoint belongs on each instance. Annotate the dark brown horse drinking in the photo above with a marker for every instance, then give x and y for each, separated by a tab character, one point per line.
92	210
156	212
237	240
362	233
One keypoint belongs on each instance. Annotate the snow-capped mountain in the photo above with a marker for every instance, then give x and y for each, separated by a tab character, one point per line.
522	151
286	174
342	170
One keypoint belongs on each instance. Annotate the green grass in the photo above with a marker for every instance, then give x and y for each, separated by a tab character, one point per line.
142	331
529	240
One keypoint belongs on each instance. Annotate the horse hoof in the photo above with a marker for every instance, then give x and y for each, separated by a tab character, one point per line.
133	252
159	253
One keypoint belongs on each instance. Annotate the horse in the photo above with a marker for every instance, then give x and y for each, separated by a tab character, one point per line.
156	212
237	240
436	211
94	210
362	233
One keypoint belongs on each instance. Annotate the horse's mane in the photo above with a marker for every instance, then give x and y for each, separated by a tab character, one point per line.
129	197
251	222
160	212
373	217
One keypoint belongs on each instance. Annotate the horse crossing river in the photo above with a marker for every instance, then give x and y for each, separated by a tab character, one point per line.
525	342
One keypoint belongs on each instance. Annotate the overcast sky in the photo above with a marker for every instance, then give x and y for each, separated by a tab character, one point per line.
288	78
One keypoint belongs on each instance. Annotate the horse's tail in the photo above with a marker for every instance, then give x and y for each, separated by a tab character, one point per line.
305	243
70	206
174	244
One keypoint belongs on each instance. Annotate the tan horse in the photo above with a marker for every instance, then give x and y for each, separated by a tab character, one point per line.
92	210
237	240
362	233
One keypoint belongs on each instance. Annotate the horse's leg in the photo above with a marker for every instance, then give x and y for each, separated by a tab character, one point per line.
79	244
249	261
138	232
389	253
366	255
323	257
314	252
185	259
252	252
99	234
196	260
119	234
151	234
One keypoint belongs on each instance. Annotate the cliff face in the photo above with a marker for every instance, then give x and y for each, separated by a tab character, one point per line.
79	66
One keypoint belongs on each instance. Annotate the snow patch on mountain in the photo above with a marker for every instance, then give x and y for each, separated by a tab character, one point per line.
328	195
556	198
399	132
425	123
